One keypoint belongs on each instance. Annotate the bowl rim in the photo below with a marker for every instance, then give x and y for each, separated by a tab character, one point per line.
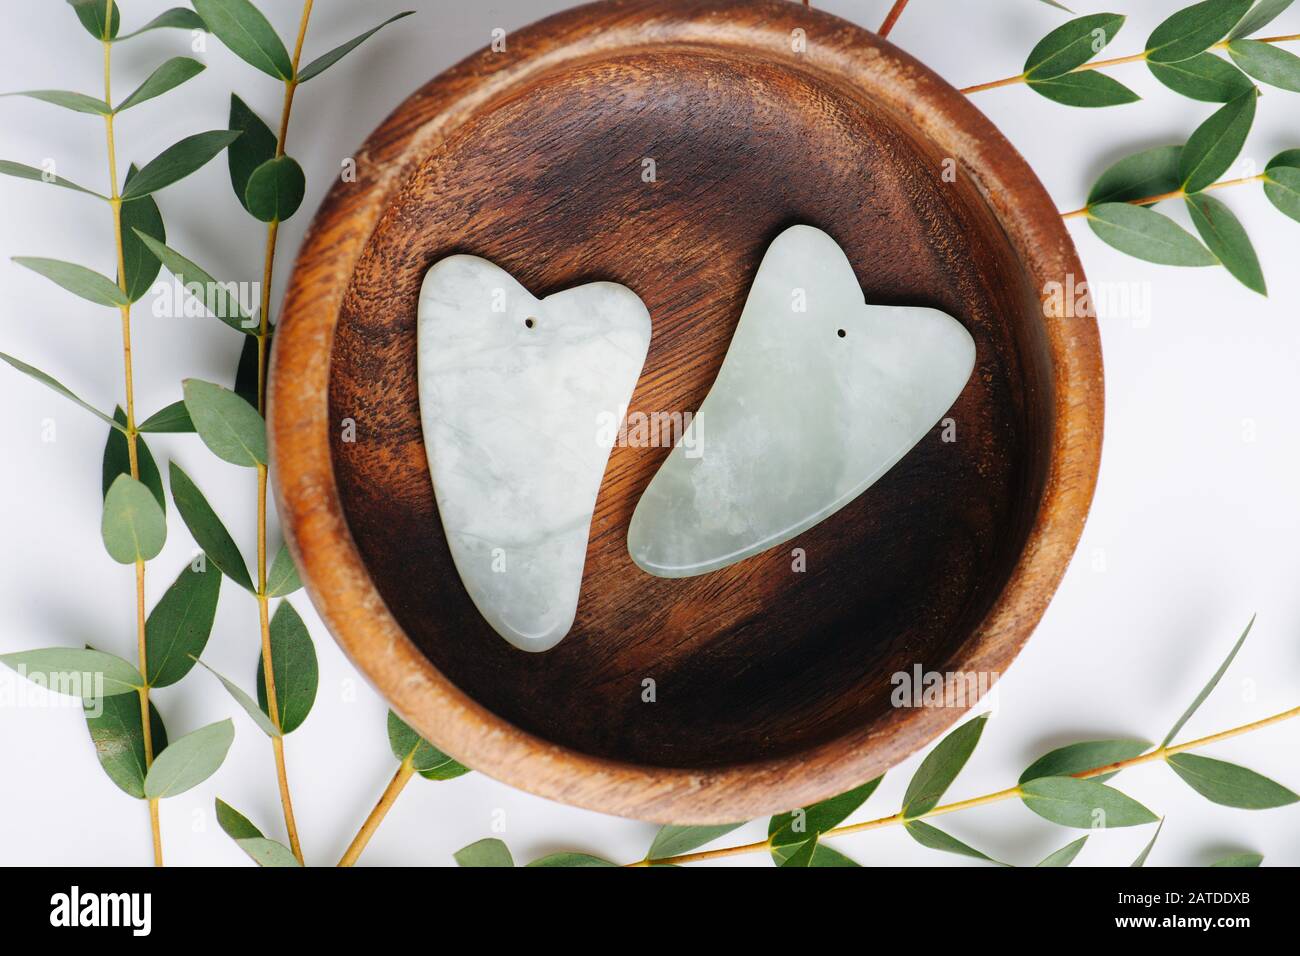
299	428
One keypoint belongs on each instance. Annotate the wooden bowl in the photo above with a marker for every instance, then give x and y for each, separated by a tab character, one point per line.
771	687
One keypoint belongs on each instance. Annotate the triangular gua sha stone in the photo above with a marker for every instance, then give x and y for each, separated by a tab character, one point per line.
809	409
516	400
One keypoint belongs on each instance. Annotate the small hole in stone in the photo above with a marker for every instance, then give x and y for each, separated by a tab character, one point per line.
528	323
841	333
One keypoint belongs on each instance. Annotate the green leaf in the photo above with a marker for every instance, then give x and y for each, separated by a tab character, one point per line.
571	860
275	189
249	838
57	386
78	280
798	825
1194	29
1267	63
935	839
1264	13
1072	802
1240	860
803	854
167	77
246	372
78	102
228	425
1230	785
180	624
220	299
283	578
116	731
321	64
134	526
241	27
1288	158
1227	239
19	171
1066	854
176	18
1088	89
811	853
1148	235
1072	44
56	667
429	762
1204	77
491	852
178	161
256	146
189	761
207	528
1146	851
173	419
675	840
1217	143
117	461
1282	187
91	15
293	664
1208	688
249	705
940	768
1088	755
141	217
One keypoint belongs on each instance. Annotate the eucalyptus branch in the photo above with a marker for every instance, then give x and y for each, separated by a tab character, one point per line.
405	770
895	12
1172	194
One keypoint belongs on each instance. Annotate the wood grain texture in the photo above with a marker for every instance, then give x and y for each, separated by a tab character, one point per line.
772	686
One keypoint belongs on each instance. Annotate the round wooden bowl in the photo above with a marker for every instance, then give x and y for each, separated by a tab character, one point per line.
771	687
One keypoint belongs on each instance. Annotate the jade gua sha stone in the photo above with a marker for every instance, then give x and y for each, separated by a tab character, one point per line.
809	409
512	392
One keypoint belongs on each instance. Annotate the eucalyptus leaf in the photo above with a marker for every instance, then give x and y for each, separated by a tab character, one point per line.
1216	143
91	14
1087	755
117	461
177	18
1072	44
1146	851
940	768
1240	860
1289	158
1282	187
1065	855
427	760
246	372
167	77
134	527
20	171
78	280
1085	804
1204	77
1148	235
220	299
1267	63
491	852
228	425
811	853
172	419
1264	13
77	102
249	838
117	734
242	27
189	761
294	666
233	823
1229	784
1087	89
283	578
571	860
798	825
178	161
802	855
275	189
141	266
321	64
676	840
242	698
57	386
935	839
1209	687
1194	29
56	667
256	145
207	529
1225	236
180	624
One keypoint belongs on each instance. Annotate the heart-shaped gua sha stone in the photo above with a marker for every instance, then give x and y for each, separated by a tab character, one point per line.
819	395
517	397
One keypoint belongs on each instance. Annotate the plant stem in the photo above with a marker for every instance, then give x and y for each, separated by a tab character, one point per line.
263	351
1102	64
1176	194
115	202
895	12
1159	753
386	801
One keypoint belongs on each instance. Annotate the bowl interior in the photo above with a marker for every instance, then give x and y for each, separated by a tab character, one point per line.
758	660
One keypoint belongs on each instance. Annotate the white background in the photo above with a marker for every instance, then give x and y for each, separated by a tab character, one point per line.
1194	527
